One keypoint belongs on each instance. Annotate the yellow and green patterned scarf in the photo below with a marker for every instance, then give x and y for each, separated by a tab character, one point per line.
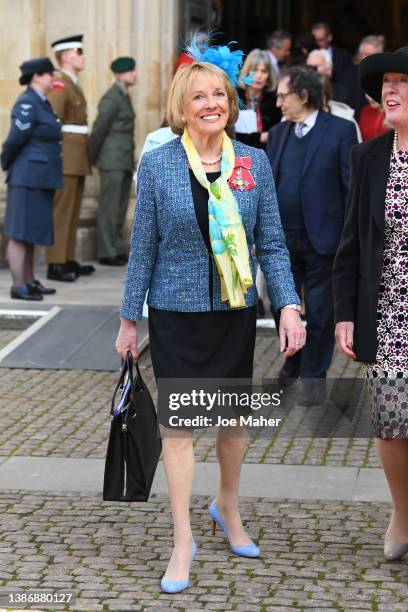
227	235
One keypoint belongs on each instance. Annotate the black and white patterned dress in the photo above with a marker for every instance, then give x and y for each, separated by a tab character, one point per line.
388	377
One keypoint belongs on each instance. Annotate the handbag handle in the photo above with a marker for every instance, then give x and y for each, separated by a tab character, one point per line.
127	368
130	365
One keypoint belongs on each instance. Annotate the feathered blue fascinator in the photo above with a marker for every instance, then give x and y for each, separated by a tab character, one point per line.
222	56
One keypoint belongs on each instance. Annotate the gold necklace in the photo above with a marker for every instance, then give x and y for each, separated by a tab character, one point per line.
403	165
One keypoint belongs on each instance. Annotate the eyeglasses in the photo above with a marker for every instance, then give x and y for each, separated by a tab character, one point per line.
283	96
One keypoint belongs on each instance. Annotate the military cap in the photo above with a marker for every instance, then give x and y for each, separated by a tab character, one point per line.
38	65
123	64
64	44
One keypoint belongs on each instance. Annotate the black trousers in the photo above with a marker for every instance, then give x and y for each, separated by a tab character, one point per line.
313	272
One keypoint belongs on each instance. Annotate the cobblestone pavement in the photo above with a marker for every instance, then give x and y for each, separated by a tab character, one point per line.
65	414
315	555
7	335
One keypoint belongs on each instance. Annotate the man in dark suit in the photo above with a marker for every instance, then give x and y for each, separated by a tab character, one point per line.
309	155
369	45
341	58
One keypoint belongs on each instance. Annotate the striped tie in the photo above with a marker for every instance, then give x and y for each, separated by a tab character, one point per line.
299	128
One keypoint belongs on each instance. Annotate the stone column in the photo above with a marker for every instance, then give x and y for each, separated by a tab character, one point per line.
155	51
145	29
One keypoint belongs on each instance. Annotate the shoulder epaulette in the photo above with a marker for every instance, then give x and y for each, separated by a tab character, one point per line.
58	85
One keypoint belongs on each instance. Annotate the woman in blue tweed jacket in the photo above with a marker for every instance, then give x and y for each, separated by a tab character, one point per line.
203	201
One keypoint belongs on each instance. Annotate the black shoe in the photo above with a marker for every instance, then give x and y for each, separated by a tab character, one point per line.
24	292
288	374
314	392
111	261
123	258
39	288
79	269
60	273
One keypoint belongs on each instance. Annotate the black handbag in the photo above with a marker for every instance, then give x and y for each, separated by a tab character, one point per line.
134	444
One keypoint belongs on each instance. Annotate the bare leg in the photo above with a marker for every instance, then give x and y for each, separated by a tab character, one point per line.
178	459
29	264
231	442
16	255
394	458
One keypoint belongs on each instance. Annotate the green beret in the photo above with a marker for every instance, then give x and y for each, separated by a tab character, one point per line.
123	64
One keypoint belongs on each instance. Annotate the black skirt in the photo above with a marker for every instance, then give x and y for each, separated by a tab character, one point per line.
216	344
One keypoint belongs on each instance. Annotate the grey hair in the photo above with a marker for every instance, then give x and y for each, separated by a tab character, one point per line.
255	57
277	38
373	40
324	54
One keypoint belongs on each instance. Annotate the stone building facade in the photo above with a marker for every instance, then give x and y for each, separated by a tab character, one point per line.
149	30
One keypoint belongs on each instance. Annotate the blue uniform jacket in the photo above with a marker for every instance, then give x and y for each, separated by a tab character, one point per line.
325	179
168	255
31	154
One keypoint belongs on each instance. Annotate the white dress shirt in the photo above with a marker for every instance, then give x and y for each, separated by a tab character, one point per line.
303	127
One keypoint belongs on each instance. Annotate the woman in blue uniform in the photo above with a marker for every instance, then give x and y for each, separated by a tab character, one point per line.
31	156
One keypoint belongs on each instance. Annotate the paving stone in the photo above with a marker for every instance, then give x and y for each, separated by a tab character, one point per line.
48	413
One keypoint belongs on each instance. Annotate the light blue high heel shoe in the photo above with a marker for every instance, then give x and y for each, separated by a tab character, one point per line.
249	550
176	586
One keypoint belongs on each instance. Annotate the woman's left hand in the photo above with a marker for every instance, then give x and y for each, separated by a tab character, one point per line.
292	333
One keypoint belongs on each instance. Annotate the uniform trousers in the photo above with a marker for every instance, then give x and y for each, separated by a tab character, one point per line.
114	196
67	207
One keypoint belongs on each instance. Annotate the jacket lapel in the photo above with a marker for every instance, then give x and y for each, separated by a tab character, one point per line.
318	131
287	125
378	171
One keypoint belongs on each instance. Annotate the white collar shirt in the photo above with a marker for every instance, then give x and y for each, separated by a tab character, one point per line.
303	127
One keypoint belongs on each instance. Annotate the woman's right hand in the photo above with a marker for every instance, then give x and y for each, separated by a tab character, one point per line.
127	339
344	338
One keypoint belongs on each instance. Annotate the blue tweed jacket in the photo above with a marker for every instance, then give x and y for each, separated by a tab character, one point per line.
168	255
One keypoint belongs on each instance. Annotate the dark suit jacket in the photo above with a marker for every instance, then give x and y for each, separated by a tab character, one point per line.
341	62
358	262
325	179
349	80
31	154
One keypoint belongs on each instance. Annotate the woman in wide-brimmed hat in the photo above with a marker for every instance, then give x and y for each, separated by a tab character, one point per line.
371	278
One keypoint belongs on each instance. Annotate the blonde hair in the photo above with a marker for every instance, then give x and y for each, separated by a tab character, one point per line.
178	89
252	60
